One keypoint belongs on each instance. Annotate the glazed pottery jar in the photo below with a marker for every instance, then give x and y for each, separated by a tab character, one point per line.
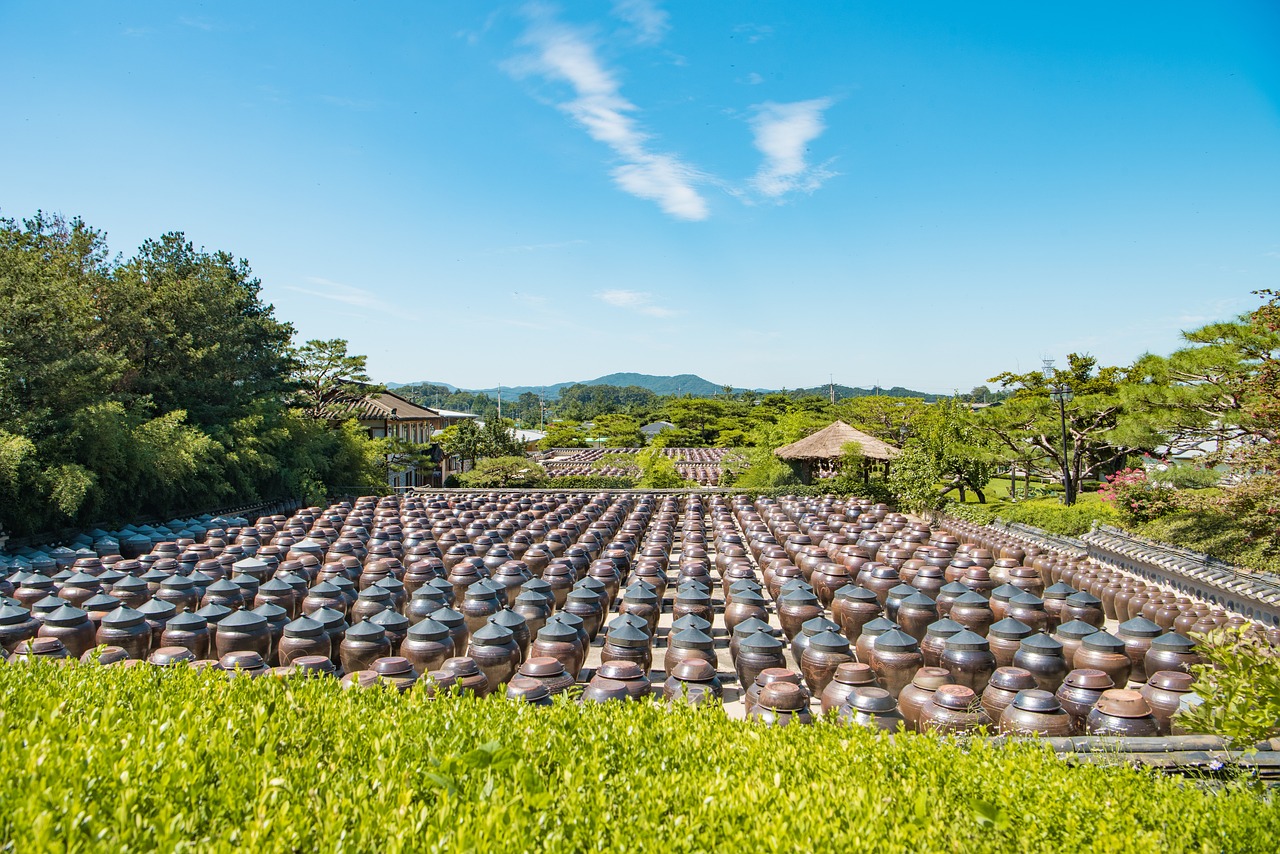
38	647
999	599
71	626
973	612
895	659
550	672
467	676
627	642
574	622
935	640
795	608
1079	693
694	681
756	653
1083	606
1165	692
1003	686
16	625
914	697
1035	712
126	628
363	644
642	601
824	653
967	657
1122	712
427	645
686	644
457	626
629	675
479	603
915	614
494	649
745	629
849	677
514	623
397	671
1041	656
281	593
225	592
1071	634
744	605
864	649
781	704
1171	651
953	709
768	677
395	624
947	596
601	690
1005	637
171	656
1055	597
336	628
243	631
893	600
190	631
243	662
181	591
371	600
872	707
529	691
807	631
1138	635
106	656
1028	609
1106	652
303	636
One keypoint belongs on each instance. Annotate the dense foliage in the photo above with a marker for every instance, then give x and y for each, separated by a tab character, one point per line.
145	387
1239	683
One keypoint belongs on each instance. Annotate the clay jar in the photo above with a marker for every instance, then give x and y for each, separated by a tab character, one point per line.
895	659
303	636
915	614
514	623
967	657
642	601
744	605
1138	635
935	640
628	674
126	628
187	630
1122	712
1055	597
864	649
363	644
688	643
457	626
973	612
479	603
1171	651
1041	656
243	631
494	650
914	697
1035	712
467	676
694	681
585	604
1106	652
1028	609
781	704
1071	634
768	677
1005	637
824	653
628	642
427	645
548	671
848	678
756	653
874	708
561	641
953	709
1079	693
852	608
71	626
1164	692
1003	687
1084	606
16	625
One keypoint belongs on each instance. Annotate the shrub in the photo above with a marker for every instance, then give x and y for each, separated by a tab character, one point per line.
1185	476
1135	498
173	759
504	472
1239	684
1048	514
591	481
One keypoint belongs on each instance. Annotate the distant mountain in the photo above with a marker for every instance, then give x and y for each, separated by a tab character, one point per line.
679	385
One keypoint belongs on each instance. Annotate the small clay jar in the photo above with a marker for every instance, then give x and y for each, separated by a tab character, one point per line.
243	631
1028	609
190	631
1084	606
825	652
71	626
629	675
479	603
848	678
757	653
915	614
585	604
38	647
529	691
1106	652
171	656
548	671
303	636
427	645
564	640
1138	635
864	649
894	598
362	645
642	601
810	628
126	628
281	593
745	605
16	625
973	612
1041	656
1005	637
243	662
1171	651
967	657
1055	597
1079	693
628	642
1035	712
396	671
947	595
895	660
914	697
1164	693
371	600
781	704
853	607
535	608
795	608
1071	634
953	709
693	681
768	677
1122	712
872	707
745	629
935	640
1003	687
686	644
494	649
467	676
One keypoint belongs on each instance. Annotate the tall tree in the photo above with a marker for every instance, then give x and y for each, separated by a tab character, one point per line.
329	382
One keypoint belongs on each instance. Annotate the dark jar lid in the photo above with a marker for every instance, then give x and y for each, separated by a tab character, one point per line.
168	656
1013	679
629	636
123	618
967	640
817	625
932	678
542	666
1010	629
1123	703
855	673
856	593
694	670
366	631
691	621
461	666
621	671
1174	642
66	615
1103	642
1089	679
428	629
760	642
894	640
1037	700
245	621
873	701
394	665
529	690
490	634
750	626
829	641
955	697
304	627
1139	627
1172	680
944	628
1042	644
1075	630
783	697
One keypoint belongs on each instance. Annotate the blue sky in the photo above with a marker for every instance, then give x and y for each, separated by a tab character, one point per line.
761	193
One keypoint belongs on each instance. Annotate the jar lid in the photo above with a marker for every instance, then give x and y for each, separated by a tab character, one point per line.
1037	700
1060	590
167	656
918	601
954	589
895	640
1042	644
488	634
275	587
967	640
629	620
1084	599
1172	680
427	629
374	593
1075	630
829	641
817	625
12	615
214	613
800	596
304	627
855	673
691	638
944	628
507	618
1027	600
332	619
777	674
639	595
856	593
748	597
601	690
783	697
1090	679
970	599
314	664
105	655
1139	627
955	697
394	665
1123	703
242	660
694	670
187	621
180	583
932	678
243	621
879	626
1010	629
366	631
123	618
1103	642
102	602
1012	679
542	666
529	690
1174	642
691	621
629	636
223	586
460	666
873	701
760	641
621	671
66	615
750	626
1005	592
448	617
902	591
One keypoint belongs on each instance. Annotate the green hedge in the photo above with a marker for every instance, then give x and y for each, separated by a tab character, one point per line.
591	481
1048	514
150	759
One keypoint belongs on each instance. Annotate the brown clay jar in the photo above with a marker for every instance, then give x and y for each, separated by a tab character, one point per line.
548	671
643	602
852	608
1122	712
744	605
16	625
1005	637
243	631
562	641
915	614
756	653
494	649
973	612
872	707
795	608
480	603
895	659
1171	651
1079	693
953	709
967	657
1164	693
628	642
467	676
1104	651
935	640
768	677
1003	687
629	675
1035	712
190	631
427	645
363	644
1041	656
864	649
126	628
71	626
849	677
686	644
1071	634
1084	606
303	636
1138	635
694	681
825	652
914	697
781	704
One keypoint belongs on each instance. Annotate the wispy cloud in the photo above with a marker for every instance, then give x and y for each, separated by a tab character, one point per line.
198	23
538	247
754	33
782	134
347	295
649	22
640	302
564	55
349	103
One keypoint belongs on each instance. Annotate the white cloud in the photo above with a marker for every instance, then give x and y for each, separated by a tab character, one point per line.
782	134
347	295
640	302
754	79
650	22
563	55
538	247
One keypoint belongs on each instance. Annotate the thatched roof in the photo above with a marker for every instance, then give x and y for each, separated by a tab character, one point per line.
828	444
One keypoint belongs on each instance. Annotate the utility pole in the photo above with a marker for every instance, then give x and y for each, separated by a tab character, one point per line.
542	408
499	402
832	382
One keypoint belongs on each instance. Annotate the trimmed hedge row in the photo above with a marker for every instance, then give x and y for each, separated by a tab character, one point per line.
1048	514
174	759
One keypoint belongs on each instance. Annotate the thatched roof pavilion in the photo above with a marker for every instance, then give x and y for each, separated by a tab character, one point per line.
820	453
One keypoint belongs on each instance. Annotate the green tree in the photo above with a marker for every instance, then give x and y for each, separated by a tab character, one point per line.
461	440
504	472
619	431
497	438
564	434
658	471
329	382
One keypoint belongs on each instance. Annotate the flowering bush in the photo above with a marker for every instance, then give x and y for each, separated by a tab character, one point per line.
1135	498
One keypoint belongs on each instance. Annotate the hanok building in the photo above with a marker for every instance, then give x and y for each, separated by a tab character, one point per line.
819	456
388	415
